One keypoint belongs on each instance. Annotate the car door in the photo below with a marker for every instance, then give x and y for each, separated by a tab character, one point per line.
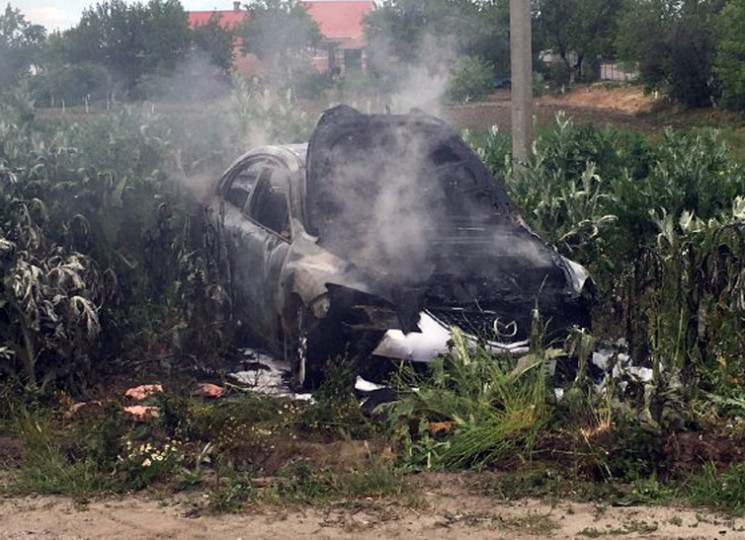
238	233
268	209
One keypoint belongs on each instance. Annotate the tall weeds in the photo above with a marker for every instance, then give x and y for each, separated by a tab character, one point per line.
473	409
659	225
105	263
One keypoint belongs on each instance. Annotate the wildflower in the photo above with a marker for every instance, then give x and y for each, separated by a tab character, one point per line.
147	462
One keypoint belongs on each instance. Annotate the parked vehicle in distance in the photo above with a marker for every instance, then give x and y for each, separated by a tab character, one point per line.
377	237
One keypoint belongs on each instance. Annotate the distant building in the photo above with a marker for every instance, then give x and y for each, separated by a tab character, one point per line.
342	46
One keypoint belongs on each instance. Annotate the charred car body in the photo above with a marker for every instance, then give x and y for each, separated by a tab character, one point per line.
376	238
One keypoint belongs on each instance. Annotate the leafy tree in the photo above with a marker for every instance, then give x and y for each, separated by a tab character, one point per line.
166	35
216	41
70	84
673	42
579	31
464	40
20	44
130	40
278	29
729	65
471	78
403	25
491	35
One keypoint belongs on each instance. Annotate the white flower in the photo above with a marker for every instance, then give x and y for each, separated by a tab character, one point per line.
147	462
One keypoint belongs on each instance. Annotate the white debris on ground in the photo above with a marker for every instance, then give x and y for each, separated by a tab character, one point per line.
614	363
266	375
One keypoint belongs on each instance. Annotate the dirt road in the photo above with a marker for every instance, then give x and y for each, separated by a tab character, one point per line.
446	513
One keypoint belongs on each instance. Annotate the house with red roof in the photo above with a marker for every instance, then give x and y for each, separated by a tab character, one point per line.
342	46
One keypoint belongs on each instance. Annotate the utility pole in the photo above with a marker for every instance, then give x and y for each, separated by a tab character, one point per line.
522	80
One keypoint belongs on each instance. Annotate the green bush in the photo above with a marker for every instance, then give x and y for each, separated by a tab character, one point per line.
470	79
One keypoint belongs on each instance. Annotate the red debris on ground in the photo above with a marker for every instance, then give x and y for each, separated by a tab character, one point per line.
142	412
144	391
208	390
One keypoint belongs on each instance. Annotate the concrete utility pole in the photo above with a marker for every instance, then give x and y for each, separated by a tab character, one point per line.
522	80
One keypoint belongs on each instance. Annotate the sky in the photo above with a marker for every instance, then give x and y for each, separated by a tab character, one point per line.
62	14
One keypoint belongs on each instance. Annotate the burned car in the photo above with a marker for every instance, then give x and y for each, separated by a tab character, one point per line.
376	238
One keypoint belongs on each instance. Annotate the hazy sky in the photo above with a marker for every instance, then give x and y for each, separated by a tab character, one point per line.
61	14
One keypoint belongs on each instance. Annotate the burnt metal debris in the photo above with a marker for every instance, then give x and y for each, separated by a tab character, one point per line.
376	238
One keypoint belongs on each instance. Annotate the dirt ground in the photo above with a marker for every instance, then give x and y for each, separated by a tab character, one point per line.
620	106
447	511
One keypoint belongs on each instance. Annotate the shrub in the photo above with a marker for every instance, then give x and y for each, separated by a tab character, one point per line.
470	79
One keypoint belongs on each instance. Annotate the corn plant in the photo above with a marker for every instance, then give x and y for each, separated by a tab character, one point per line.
49	301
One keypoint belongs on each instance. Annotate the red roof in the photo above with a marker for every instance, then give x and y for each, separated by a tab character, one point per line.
338	20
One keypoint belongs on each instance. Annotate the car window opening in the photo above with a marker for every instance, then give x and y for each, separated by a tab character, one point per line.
269	205
242	184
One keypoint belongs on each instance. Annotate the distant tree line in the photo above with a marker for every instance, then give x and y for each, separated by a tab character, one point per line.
690	50
118	50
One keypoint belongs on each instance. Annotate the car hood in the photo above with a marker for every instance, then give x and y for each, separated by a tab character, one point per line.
405	199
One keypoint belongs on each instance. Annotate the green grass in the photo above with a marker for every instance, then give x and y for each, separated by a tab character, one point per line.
719	489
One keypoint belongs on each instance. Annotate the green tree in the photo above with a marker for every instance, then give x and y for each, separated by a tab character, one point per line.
20	44
729	64
464	40
402	26
579	31
166	35
130	40
276	30
673	43
215	40
491	35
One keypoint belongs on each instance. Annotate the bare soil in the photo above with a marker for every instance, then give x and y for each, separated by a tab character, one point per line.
599	105
443	508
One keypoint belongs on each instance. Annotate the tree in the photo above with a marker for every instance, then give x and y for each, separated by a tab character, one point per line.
403	25
130	40
673	43
729	65
215	40
578	31
20	44
166	36
276	30
461	41
491	35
